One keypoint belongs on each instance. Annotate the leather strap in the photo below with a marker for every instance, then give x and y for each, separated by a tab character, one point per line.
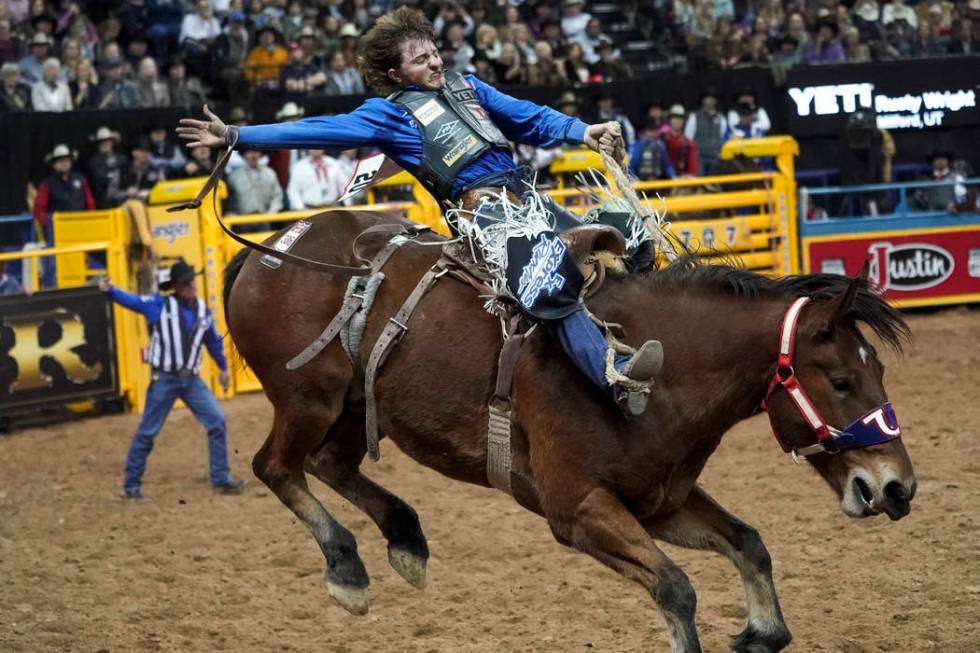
499	454
351	305
393	332
209	185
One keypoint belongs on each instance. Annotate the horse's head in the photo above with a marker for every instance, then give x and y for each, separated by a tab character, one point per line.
834	409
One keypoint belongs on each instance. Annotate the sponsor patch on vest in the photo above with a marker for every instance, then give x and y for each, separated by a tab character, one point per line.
429	112
447	132
459	149
285	242
464	95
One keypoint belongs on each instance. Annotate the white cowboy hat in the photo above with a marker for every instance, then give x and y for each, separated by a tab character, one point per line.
60	151
677	110
350	30
290	110
41	39
104	134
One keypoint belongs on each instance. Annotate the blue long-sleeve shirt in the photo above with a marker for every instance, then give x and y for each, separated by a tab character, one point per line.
391	128
151	306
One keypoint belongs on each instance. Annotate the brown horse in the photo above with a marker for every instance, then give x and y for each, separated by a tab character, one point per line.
608	486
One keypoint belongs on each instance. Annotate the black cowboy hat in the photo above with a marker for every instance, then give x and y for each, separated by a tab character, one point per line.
827	22
940	152
180	272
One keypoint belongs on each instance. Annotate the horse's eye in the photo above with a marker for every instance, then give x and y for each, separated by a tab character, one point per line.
842	385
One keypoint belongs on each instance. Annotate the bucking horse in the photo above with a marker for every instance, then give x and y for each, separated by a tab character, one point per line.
735	343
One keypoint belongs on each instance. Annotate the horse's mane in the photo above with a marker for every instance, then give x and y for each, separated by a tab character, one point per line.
689	273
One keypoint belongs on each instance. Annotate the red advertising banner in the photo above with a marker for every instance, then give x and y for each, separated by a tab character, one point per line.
915	267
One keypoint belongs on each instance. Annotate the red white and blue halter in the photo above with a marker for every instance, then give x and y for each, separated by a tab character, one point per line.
877	426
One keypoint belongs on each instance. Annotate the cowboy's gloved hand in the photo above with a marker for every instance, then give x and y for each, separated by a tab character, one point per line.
606	137
224	378
210	132
104	284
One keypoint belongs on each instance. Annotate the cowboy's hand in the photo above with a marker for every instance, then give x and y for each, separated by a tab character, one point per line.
104	284
210	132
606	137
224	378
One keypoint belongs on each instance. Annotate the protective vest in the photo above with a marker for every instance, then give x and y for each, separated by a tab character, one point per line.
172	348
65	194
455	129
707	135
650	165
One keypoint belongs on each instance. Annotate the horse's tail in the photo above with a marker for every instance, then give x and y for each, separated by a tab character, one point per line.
232	270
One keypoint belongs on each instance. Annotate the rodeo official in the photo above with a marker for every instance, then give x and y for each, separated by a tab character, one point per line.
451	132
181	327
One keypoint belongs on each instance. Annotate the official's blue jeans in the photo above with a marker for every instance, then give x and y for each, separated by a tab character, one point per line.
584	343
164	390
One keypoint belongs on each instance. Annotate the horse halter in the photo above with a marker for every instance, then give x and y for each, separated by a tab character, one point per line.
877	426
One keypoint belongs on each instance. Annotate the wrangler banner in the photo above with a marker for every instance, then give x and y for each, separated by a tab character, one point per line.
56	347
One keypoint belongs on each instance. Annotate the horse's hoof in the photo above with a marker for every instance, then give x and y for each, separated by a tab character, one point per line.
409	566
353	599
751	640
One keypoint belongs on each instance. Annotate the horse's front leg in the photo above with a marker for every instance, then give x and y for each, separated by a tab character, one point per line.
703	524
602	527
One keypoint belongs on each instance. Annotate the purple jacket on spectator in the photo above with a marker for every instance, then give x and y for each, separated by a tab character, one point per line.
831	52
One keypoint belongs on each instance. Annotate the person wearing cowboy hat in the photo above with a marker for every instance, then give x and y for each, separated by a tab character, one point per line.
453	133
31	66
948	197
568	103
106	166
681	150
184	91
14	95
826	47
115	91
341	78
282	160
707	128
62	190
181	327
266	59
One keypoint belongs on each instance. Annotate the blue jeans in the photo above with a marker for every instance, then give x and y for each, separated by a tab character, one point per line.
164	390
584	343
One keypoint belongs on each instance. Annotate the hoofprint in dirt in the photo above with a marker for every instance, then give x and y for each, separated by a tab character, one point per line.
83	569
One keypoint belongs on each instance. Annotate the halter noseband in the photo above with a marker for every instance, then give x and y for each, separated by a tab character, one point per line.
877	426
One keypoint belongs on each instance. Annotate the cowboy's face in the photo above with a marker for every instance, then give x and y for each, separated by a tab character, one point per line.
421	65
185	291
106	145
62	165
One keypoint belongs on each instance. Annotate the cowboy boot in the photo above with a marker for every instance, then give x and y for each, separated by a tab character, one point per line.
642	367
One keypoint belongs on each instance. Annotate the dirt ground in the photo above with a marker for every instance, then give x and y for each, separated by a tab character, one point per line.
82	569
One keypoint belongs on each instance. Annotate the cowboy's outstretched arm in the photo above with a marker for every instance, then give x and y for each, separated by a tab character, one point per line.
541	126
367	125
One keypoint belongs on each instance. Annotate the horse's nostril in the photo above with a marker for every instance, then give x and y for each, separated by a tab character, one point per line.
896	492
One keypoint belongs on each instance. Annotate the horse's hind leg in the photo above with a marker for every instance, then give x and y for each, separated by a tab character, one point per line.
298	428
337	464
703	524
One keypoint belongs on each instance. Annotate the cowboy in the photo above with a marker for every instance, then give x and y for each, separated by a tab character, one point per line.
106	166
181	327
451	132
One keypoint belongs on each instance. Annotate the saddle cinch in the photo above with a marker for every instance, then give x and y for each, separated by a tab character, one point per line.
591	246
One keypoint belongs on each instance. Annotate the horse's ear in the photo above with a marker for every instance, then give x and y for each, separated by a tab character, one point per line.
840	305
865	272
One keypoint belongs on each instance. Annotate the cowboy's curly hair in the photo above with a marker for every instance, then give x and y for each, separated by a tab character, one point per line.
383	42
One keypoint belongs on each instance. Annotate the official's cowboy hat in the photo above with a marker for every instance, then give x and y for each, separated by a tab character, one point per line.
179	272
60	151
290	110
350	30
677	110
105	134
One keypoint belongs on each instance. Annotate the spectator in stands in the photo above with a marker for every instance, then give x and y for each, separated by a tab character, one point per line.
307	41
349	43
656	114
685	18
569	104
164	153
936	12
866	17
107	166
266	59
591	38
509	68
342	79
574	19
254	187
50	93
756	53
929	42
449	13
71	56
897	10
8	284
544	15
80	28
139	178
31	65
185	92
462	51
948	197
607	111
682	150
198	31
707	128
745	126
299	78
231	47
15	96
199	163
854	50
134	18
545	71
10	43
796	28
62	190
521	37
136	51
117	92
826	48
282	161
746	97
964	40
576	67
314	181
483	69
292	21
487	42
609	67
328	34
648	155
153	92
